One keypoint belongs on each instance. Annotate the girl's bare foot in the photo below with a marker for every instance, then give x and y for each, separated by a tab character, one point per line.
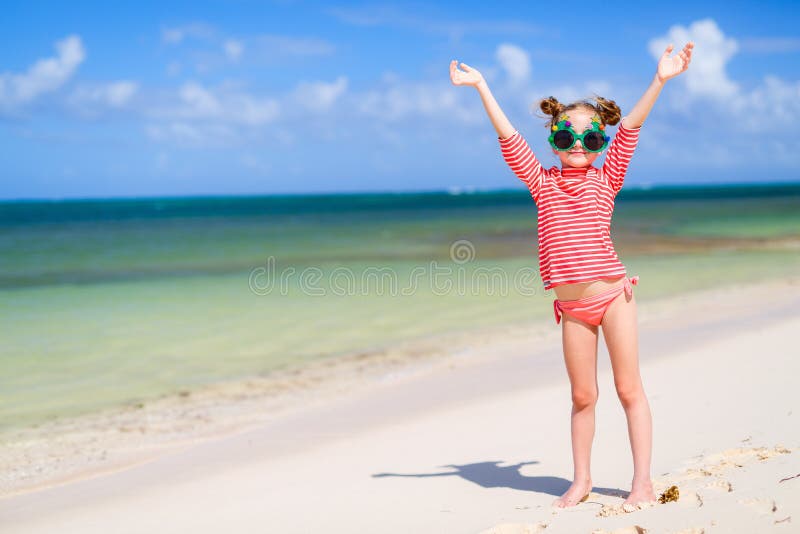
641	492
577	492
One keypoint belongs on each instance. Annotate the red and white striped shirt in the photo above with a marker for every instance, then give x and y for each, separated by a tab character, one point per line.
574	209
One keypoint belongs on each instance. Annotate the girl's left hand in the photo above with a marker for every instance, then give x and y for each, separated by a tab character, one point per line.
669	67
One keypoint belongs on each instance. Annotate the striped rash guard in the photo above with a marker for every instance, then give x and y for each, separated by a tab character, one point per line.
574	209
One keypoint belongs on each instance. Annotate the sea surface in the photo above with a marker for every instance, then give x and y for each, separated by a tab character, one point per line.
110	302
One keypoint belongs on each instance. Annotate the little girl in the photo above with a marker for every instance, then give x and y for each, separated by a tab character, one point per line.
577	258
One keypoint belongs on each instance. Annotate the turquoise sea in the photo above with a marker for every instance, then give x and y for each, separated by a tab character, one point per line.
109	302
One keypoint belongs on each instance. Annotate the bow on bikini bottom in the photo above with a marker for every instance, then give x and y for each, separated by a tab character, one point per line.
591	309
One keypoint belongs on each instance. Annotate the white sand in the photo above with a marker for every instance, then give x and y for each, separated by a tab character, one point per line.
479	441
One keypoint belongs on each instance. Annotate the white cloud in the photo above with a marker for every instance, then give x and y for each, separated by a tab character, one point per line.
320	96
196	30
515	61
252	110
119	93
194	104
772	98
198	115
115	94
198	101
190	114
233	49
402	100
706	76
710	97
44	76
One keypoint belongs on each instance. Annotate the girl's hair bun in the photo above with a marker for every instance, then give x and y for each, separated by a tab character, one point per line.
608	110
551	106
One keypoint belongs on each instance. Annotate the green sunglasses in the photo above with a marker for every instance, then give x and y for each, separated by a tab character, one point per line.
563	137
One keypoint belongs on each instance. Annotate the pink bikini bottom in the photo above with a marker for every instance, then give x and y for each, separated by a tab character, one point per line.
591	309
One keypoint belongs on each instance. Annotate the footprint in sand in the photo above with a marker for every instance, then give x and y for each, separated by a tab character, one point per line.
691	499
709	466
719	463
700	472
738	457
608	510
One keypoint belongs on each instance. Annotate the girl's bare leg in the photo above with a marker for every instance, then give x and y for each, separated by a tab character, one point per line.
579	340
621	335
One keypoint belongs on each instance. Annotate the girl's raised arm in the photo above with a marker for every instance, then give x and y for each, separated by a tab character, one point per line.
516	151
473	77
668	67
621	149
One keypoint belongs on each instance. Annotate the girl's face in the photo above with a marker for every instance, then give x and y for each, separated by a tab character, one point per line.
577	156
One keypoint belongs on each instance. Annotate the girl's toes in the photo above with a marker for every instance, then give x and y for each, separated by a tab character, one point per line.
628	507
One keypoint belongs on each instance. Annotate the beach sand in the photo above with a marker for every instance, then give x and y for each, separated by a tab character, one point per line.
467	432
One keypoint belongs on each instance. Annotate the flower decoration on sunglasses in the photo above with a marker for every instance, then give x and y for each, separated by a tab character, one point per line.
563	137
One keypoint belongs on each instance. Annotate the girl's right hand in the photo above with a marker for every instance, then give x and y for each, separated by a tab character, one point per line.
468	76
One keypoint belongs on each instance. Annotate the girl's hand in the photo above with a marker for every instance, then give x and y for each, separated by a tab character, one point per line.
468	76
669	67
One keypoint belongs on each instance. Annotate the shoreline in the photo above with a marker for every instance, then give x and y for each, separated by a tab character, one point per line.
119	438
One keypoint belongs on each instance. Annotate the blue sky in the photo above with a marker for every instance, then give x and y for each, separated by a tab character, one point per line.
103	99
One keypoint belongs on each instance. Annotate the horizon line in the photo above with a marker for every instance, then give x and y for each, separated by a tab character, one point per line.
451	190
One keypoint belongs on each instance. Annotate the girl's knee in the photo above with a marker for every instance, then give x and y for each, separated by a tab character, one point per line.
630	394
584	398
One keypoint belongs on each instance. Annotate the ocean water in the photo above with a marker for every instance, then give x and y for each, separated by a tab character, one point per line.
108	302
